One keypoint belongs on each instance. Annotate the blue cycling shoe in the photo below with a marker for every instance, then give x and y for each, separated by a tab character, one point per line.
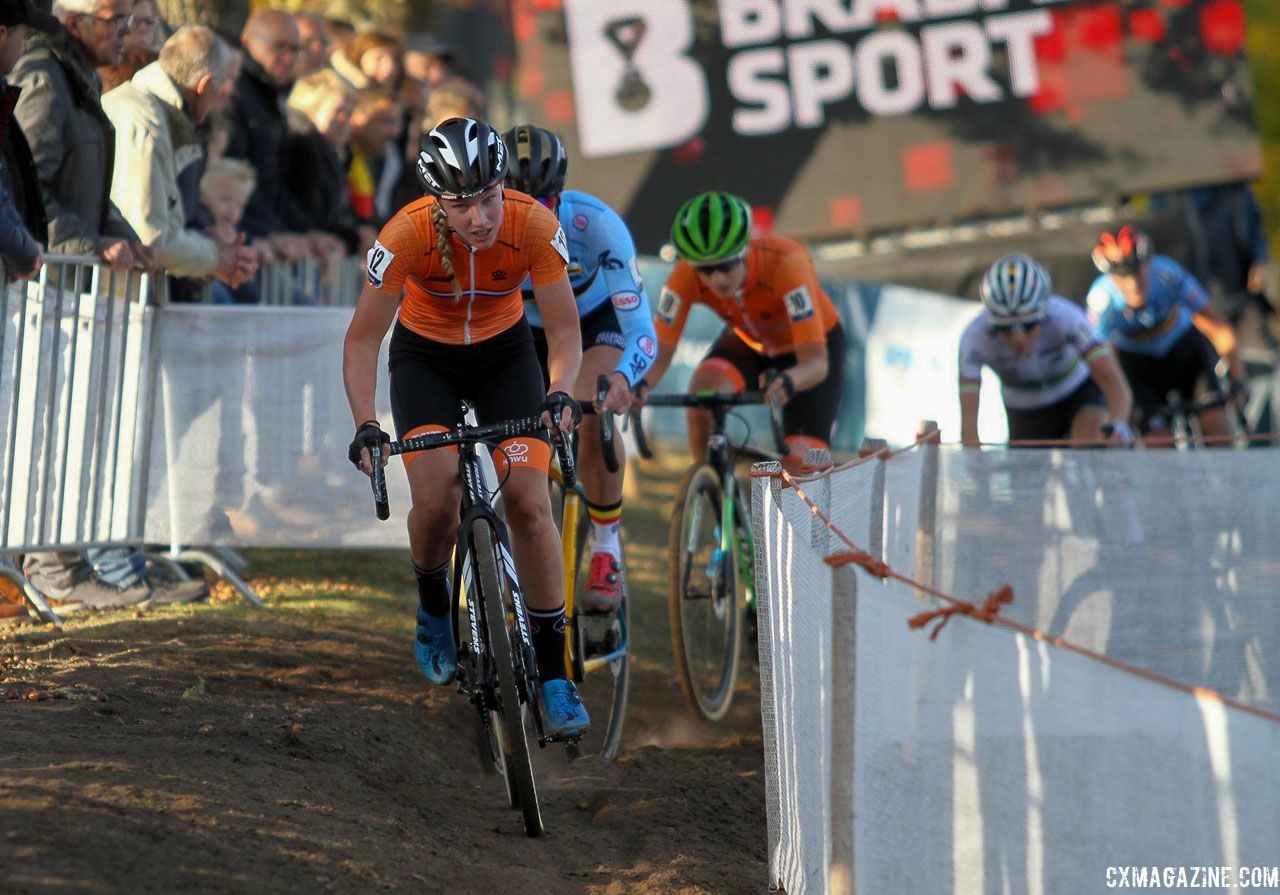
434	648
565	713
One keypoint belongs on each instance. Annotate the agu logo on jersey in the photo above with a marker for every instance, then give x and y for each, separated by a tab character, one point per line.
647	346
799	303
378	260
517	452
626	301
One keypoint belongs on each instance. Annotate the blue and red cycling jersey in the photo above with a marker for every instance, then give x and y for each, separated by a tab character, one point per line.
602	268
1173	297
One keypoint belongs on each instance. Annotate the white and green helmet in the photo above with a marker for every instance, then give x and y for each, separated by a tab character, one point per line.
711	227
1016	287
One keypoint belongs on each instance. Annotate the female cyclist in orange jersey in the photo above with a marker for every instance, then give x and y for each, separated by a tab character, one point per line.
458	257
782	329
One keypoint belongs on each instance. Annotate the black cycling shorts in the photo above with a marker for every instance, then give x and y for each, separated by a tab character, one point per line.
811	412
599	328
499	376
1189	363
1053	423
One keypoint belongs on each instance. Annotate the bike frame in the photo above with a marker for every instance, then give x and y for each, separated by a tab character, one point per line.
721	458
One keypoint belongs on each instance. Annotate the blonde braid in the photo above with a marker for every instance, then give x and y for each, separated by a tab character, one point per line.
440	221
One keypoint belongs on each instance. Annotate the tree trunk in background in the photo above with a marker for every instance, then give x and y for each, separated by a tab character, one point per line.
226	17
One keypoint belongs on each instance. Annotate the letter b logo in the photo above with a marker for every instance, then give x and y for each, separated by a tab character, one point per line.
634	85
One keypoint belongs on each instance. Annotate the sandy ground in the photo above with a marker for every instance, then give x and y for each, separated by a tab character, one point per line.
223	748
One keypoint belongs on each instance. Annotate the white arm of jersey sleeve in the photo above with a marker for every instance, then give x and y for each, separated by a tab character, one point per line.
971	358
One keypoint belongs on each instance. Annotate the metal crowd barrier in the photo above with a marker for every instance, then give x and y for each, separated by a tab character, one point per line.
335	283
74	354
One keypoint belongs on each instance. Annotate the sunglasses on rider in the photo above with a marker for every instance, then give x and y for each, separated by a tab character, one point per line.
1022	326
719	266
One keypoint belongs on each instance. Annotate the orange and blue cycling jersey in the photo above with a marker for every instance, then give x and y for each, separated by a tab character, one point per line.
781	305
406	256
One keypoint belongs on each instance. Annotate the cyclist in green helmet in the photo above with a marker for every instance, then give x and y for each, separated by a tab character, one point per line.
782	332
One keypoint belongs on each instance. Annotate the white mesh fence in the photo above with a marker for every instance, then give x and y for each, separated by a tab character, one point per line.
992	761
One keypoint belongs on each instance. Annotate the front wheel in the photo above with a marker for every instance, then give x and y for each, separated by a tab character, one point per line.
702	596
499	614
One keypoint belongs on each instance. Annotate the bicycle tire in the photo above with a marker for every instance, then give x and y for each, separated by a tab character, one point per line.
496	600
613	629
707	684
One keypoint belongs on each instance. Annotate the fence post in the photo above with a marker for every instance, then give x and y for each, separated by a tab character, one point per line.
927	521
844	628
766	497
870	448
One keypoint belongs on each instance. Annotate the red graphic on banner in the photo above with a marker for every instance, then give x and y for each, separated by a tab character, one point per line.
927	167
846	212
1222	27
1147	25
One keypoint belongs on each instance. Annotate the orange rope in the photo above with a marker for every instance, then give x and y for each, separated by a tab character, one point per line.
989	613
985	613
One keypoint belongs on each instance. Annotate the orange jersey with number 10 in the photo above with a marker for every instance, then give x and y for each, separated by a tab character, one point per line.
405	256
780	305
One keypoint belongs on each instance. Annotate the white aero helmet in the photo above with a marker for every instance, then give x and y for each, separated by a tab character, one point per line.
1016	287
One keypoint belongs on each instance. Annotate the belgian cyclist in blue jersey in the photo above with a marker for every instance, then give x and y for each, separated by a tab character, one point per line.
1058	378
1167	336
618	338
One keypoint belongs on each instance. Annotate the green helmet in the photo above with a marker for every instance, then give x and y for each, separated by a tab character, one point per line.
711	226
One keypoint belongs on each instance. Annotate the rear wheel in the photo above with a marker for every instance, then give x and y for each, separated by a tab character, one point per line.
702	597
604	687
495	597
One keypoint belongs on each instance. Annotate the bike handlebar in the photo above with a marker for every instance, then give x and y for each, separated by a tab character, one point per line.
707	400
463	435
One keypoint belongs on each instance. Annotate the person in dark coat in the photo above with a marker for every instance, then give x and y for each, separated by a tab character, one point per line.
320	108
23	227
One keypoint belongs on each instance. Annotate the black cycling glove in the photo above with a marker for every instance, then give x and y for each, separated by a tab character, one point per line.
557	401
369	435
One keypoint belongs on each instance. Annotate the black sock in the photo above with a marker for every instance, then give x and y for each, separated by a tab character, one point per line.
434	590
546	628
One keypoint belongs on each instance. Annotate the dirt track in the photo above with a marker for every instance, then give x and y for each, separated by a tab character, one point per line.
221	748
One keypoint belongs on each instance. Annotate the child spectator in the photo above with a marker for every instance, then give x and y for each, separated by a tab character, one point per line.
225	189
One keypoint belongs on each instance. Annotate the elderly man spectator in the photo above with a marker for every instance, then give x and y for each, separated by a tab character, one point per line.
155	117
71	138
258	128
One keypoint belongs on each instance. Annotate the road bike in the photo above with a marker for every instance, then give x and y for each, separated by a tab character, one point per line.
711	576
597	647
497	669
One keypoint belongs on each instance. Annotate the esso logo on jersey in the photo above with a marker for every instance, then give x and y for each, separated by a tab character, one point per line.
647	346
626	301
580	221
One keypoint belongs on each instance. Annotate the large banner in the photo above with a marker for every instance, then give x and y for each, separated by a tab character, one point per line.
841	116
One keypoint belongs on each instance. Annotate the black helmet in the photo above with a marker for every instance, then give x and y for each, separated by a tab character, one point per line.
538	161
461	157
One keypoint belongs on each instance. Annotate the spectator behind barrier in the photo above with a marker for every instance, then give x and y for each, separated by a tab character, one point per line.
1229	246
456	98
375	165
72	145
371	59
320	108
144	29
23	229
72	140
314	37
224	190
155	116
258	129
429	60
340	32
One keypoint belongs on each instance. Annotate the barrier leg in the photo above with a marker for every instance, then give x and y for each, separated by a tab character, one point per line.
35	600
222	569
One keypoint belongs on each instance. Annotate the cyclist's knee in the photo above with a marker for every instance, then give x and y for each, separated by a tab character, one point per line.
526	504
719	375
